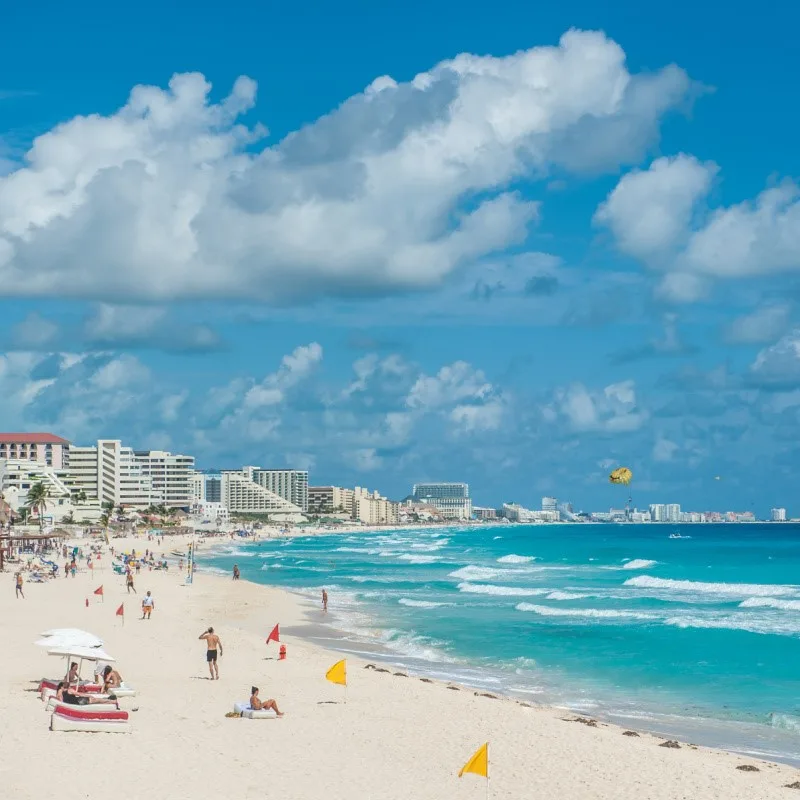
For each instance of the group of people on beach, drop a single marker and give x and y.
(66, 694)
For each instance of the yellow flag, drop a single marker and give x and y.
(338, 673)
(479, 763)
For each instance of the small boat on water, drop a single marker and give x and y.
(676, 535)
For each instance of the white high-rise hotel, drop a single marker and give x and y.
(111, 472)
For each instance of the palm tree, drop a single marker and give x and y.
(38, 495)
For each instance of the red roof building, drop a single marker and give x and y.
(43, 448)
(31, 438)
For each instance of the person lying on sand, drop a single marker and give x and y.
(258, 705)
(64, 695)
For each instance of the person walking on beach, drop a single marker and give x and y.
(324, 600)
(19, 587)
(148, 604)
(129, 583)
(236, 572)
(213, 643)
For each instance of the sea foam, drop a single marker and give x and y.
(515, 559)
(500, 591)
(593, 613)
(731, 589)
(557, 595)
(405, 601)
(771, 602)
(413, 558)
(640, 563)
(474, 573)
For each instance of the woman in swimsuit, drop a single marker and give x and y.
(64, 695)
(257, 705)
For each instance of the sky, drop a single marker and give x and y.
(503, 243)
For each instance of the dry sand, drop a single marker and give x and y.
(396, 738)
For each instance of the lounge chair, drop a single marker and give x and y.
(84, 718)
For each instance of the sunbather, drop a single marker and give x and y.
(111, 679)
(258, 705)
(72, 675)
(66, 695)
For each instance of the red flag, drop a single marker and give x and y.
(121, 610)
(275, 636)
(99, 590)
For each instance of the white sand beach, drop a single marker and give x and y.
(396, 737)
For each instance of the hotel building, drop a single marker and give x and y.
(451, 500)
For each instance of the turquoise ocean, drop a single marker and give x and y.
(696, 636)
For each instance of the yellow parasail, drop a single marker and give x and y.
(621, 475)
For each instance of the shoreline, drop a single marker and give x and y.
(396, 736)
(326, 635)
(708, 730)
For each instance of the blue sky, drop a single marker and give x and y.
(506, 244)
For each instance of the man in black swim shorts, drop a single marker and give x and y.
(213, 643)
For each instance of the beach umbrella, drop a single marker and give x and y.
(69, 637)
(83, 653)
(77, 634)
(71, 652)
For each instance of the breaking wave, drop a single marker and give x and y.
(730, 589)
(500, 591)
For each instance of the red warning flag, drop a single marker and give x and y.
(121, 610)
(275, 636)
(99, 590)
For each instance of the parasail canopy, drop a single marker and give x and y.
(621, 475)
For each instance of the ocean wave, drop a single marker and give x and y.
(731, 589)
(405, 601)
(436, 544)
(592, 613)
(737, 622)
(500, 591)
(771, 602)
(366, 550)
(640, 563)
(515, 559)
(412, 558)
(472, 572)
(265, 567)
(786, 722)
(374, 579)
(558, 595)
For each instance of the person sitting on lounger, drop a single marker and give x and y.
(111, 679)
(72, 675)
(258, 705)
(65, 695)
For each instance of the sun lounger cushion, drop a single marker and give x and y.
(252, 714)
(91, 712)
(61, 722)
(55, 705)
(239, 708)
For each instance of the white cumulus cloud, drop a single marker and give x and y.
(170, 196)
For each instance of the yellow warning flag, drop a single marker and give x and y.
(479, 763)
(338, 673)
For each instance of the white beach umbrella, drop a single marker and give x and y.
(82, 653)
(72, 636)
